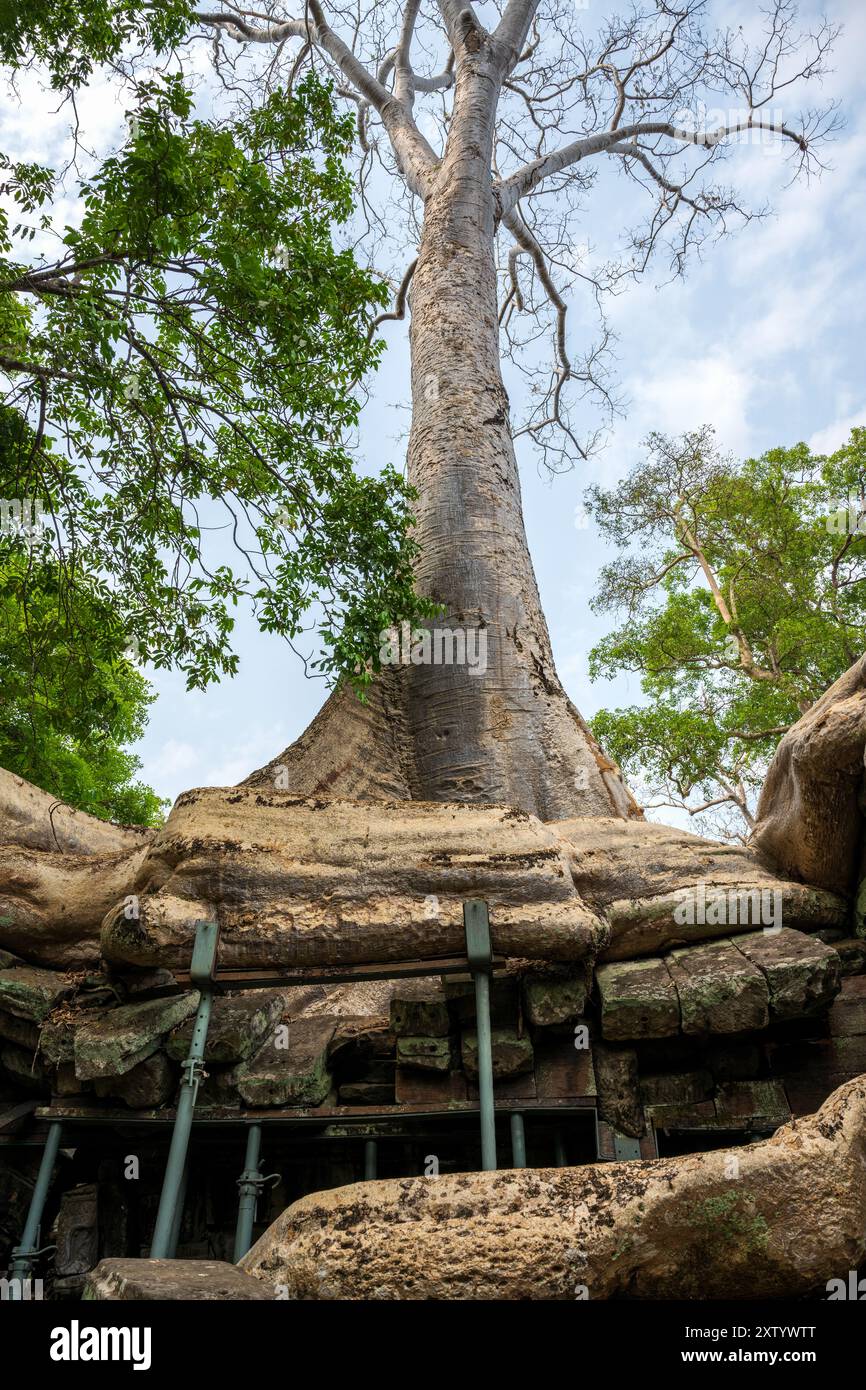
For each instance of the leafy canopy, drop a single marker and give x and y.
(69, 709)
(197, 340)
(743, 593)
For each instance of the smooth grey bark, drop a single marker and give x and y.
(509, 733)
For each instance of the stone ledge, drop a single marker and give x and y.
(172, 1281)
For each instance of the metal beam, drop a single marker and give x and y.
(476, 925)
(279, 977)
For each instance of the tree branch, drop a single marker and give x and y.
(531, 175)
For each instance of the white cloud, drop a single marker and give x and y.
(690, 391)
(832, 437)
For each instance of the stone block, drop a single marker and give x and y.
(425, 1054)
(512, 1055)
(720, 989)
(638, 1000)
(173, 1281)
(802, 973)
(291, 1068)
(120, 1038)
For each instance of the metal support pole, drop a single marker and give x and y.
(370, 1160)
(476, 925)
(201, 974)
(249, 1186)
(178, 1213)
(518, 1141)
(559, 1149)
(24, 1254)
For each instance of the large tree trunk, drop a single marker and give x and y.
(676, 1228)
(439, 732)
(809, 824)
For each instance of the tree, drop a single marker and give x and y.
(196, 338)
(70, 707)
(743, 592)
(477, 117)
(477, 121)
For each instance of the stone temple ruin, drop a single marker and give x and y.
(646, 995)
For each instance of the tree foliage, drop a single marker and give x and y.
(742, 588)
(197, 338)
(69, 708)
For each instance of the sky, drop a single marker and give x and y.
(764, 339)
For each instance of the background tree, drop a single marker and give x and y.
(197, 338)
(496, 123)
(69, 707)
(743, 593)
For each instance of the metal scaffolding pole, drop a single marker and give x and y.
(24, 1254)
(201, 974)
(371, 1160)
(178, 1213)
(518, 1141)
(249, 1186)
(476, 925)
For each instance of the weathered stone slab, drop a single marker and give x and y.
(638, 1000)
(616, 1075)
(239, 1024)
(563, 1071)
(549, 1000)
(432, 1088)
(677, 1088)
(419, 1009)
(57, 1039)
(851, 951)
(173, 1281)
(752, 1105)
(512, 1055)
(121, 1038)
(149, 1084)
(720, 990)
(64, 1082)
(25, 1068)
(366, 1093)
(291, 1068)
(76, 1235)
(802, 974)
(427, 1054)
(847, 1017)
(31, 993)
(19, 1031)
(699, 1115)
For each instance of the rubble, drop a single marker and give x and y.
(118, 1039)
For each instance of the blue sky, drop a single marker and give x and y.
(764, 339)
